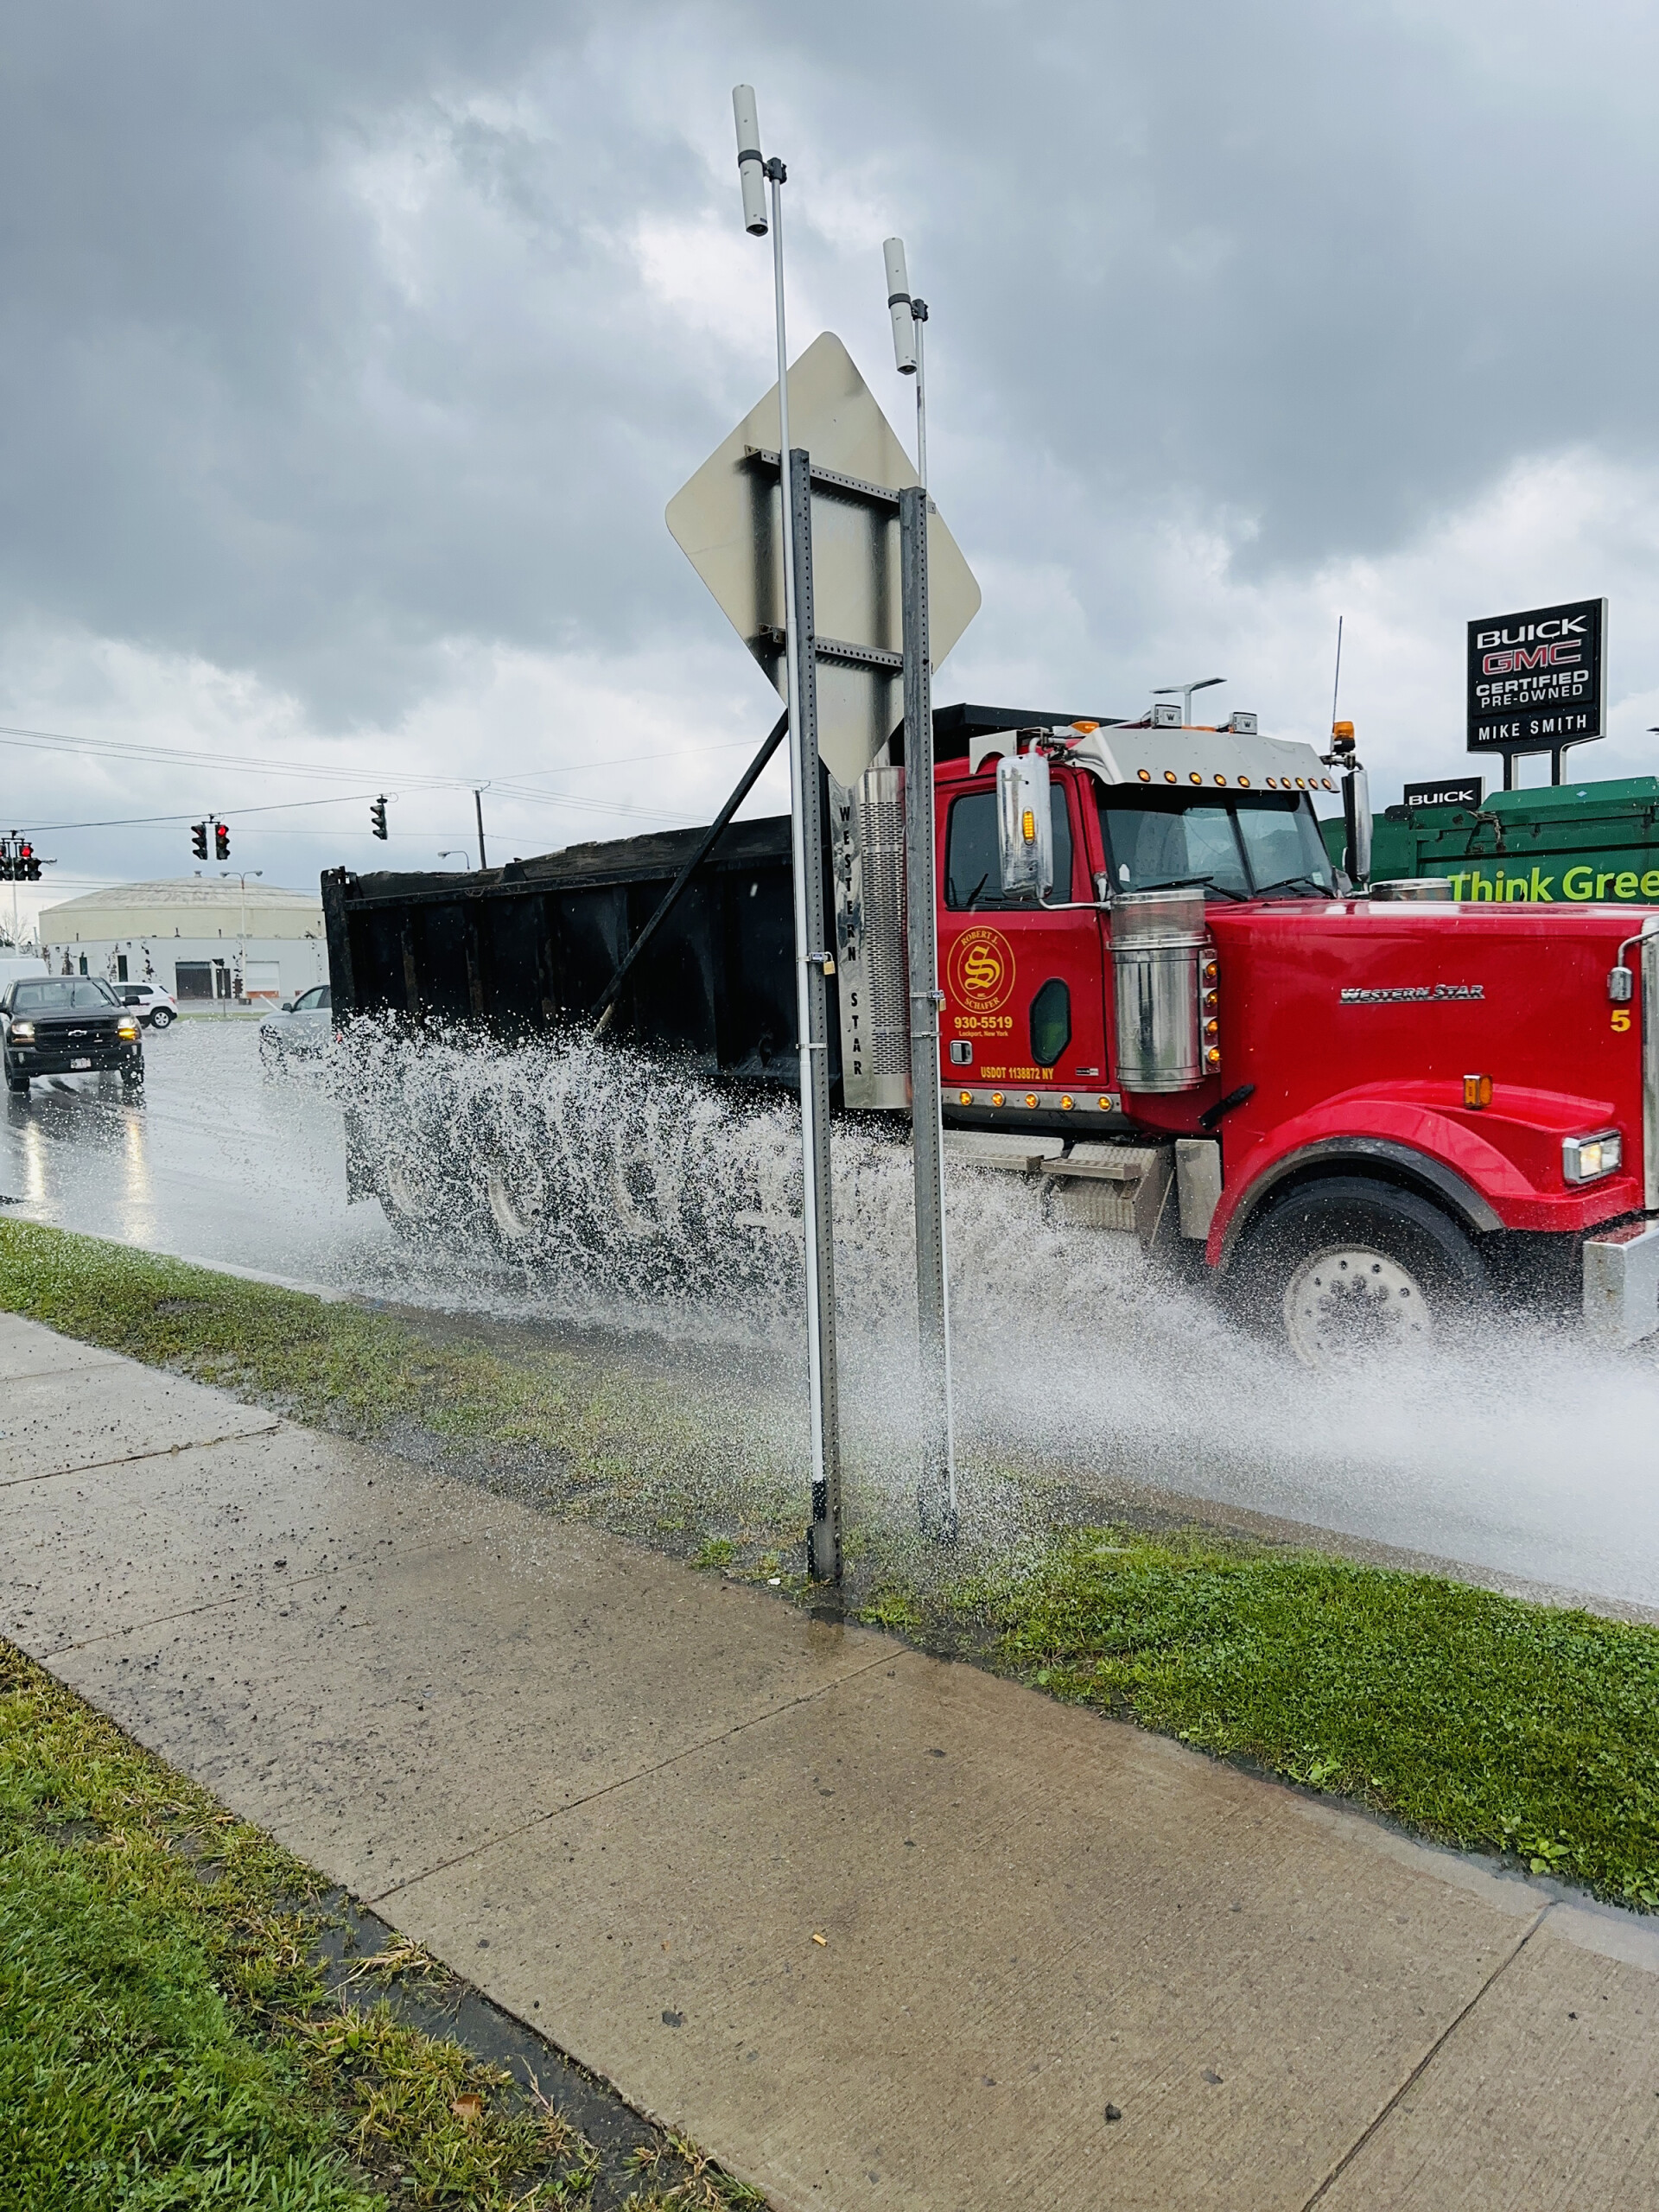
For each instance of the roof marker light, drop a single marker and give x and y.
(1169, 776)
(1145, 774)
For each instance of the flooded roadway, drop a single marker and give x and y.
(1532, 1455)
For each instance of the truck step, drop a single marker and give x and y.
(1095, 1186)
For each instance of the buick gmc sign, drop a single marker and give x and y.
(1537, 681)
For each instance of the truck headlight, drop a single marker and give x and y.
(23, 1032)
(1585, 1158)
(128, 1029)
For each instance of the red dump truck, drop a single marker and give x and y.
(1361, 1110)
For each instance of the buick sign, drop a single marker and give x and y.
(1538, 681)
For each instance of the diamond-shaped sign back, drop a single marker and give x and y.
(728, 521)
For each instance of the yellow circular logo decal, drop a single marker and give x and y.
(981, 970)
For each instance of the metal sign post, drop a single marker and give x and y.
(813, 963)
(823, 1535)
(938, 1493)
(937, 1496)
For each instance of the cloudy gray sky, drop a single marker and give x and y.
(352, 350)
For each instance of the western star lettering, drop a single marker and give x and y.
(1537, 888)
(1411, 994)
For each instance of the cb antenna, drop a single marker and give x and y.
(1335, 681)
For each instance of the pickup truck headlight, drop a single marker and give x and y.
(128, 1029)
(23, 1032)
(1585, 1158)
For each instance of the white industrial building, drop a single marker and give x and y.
(201, 937)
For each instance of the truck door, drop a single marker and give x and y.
(1023, 987)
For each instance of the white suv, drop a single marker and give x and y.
(154, 1006)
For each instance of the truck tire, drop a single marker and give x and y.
(1350, 1269)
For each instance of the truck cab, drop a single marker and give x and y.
(1365, 1111)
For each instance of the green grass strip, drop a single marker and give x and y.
(166, 2043)
(627, 1448)
(1479, 1719)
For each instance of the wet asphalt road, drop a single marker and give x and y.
(1534, 1459)
(216, 1163)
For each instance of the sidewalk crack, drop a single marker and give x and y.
(130, 1459)
(1429, 2056)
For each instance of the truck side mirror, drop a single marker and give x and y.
(1025, 826)
(1356, 827)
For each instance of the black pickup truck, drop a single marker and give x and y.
(68, 1025)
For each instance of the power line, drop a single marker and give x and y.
(159, 755)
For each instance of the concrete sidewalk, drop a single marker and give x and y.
(623, 1799)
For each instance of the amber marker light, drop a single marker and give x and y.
(1067, 1103)
(1104, 1104)
(996, 1098)
(964, 1098)
(1145, 774)
(1477, 1090)
(1221, 779)
(1194, 777)
(1087, 729)
(1030, 1098)
(1169, 776)
(1212, 1057)
(1244, 783)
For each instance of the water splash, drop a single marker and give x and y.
(606, 1186)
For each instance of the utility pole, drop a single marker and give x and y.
(242, 941)
(812, 960)
(478, 803)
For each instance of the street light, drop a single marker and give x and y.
(456, 853)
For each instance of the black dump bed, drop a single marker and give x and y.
(532, 946)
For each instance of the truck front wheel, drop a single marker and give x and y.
(1351, 1269)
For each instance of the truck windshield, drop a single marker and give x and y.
(56, 996)
(1245, 842)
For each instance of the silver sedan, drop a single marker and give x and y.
(301, 1026)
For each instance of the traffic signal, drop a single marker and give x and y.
(8, 866)
(378, 816)
(199, 841)
(29, 868)
(221, 840)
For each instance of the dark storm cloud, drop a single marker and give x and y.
(325, 342)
